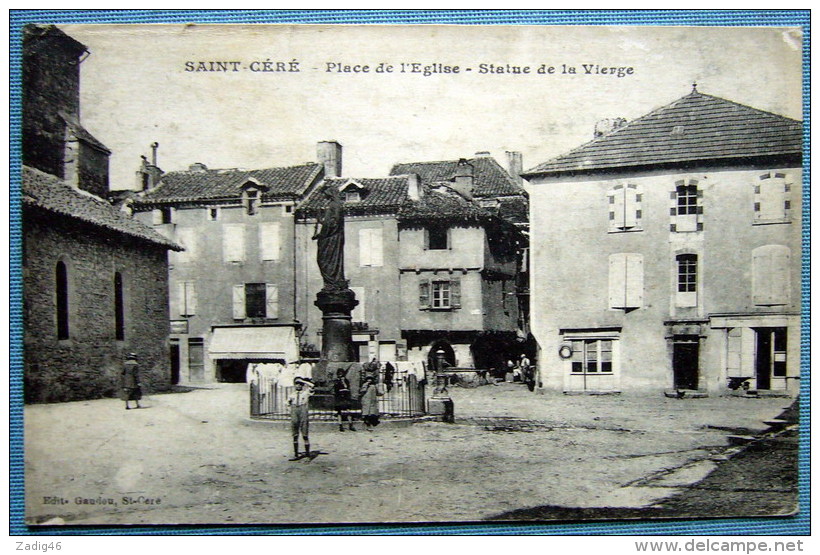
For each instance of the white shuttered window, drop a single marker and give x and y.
(371, 247)
(770, 275)
(625, 280)
(269, 241)
(233, 242)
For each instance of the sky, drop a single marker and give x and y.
(135, 89)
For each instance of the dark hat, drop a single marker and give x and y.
(131, 356)
(303, 381)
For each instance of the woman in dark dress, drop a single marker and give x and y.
(130, 387)
(342, 402)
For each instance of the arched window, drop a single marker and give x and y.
(61, 289)
(119, 308)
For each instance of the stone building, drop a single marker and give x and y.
(232, 291)
(666, 254)
(430, 268)
(94, 279)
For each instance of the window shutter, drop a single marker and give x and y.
(358, 314)
(190, 290)
(772, 193)
(269, 241)
(455, 293)
(617, 280)
(634, 281)
(734, 350)
(770, 275)
(376, 247)
(617, 210)
(271, 301)
(364, 247)
(181, 299)
(426, 238)
(233, 243)
(630, 217)
(424, 293)
(157, 216)
(239, 302)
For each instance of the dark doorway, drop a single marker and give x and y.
(174, 363)
(231, 371)
(685, 361)
(449, 354)
(770, 356)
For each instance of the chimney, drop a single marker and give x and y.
(329, 154)
(149, 174)
(413, 186)
(198, 167)
(463, 179)
(515, 166)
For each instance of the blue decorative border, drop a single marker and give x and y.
(797, 525)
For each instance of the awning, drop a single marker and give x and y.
(259, 342)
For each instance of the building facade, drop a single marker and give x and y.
(666, 254)
(232, 291)
(94, 279)
(430, 267)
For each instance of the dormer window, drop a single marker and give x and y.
(250, 200)
(352, 192)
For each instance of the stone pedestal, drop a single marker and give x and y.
(337, 344)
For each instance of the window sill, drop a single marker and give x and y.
(631, 230)
(771, 222)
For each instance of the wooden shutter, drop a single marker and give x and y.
(424, 294)
(239, 302)
(187, 238)
(271, 301)
(633, 287)
(181, 298)
(156, 216)
(269, 241)
(364, 247)
(376, 247)
(770, 275)
(772, 196)
(617, 280)
(359, 314)
(233, 243)
(455, 293)
(616, 209)
(190, 299)
(630, 214)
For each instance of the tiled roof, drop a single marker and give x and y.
(443, 204)
(82, 133)
(379, 196)
(49, 193)
(697, 127)
(185, 186)
(489, 178)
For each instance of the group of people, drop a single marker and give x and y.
(343, 404)
(522, 371)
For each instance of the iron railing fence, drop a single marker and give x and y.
(403, 396)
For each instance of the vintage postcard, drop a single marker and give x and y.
(306, 274)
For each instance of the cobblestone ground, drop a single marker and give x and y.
(194, 458)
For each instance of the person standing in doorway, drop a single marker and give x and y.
(342, 402)
(130, 386)
(298, 402)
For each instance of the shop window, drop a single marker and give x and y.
(592, 356)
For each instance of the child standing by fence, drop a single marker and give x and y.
(298, 401)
